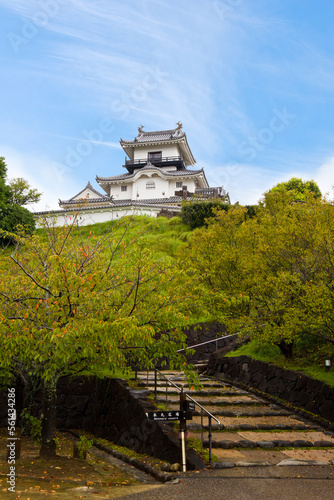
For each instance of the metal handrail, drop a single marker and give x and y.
(152, 159)
(207, 342)
(180, 389)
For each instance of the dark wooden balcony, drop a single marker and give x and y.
(157, 161)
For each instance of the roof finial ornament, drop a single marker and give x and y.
(179, 125)
(141, 129)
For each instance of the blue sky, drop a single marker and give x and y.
(251, 81)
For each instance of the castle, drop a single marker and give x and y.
(157, 179)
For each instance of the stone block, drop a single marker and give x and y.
(300, 443)
(222, 465)
(265, 444)
(324, 444)
(245, 443)
(226, 445)
(282, 443)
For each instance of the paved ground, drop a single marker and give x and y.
(251, 483)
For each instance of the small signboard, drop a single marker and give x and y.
(190, 405)
(168, 415)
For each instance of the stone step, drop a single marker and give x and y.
(239, 427)
(228, 401)
(276, 456)
(239, 411)
(194, 394)
(212, 391)
(250, 439)
(183, 382)
(251, 423)
(253, 431)
(266, 444)
(162, 383)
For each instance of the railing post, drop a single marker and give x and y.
(183, 428)
(155, 383)
(201, 430)
(210, 441)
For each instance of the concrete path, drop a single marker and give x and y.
(255, 483)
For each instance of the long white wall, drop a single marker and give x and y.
(87, 217)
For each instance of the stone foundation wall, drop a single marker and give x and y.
(111, 410)
(296, 388)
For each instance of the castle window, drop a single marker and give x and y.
(150, 185)
(155, 156)
(179, 184)
(124, 188)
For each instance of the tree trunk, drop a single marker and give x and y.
(48, 443)
(286, 349)
(31, 390)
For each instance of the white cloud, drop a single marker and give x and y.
(325, 176)
(245, 183)
(40, 172)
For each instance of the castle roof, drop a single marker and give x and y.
(157, 138)
(150, 167)
(77, 198)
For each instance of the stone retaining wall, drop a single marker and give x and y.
(109, 409)
(296, 388)
(203, 332)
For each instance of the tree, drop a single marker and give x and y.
(13, 217)
(21, 192)
(4, 189)
(72, 303)
(299, 187)
(272, 275)
(12, 214)
(196, 213)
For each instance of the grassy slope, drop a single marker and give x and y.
(163, 236)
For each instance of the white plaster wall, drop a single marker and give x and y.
(161, 188)
(118, 194)
(141, 153)
(93, 217)
(87, 194)
(136, 190)
(190, 183)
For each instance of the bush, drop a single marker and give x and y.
(194, 214)
(251, 211)
(12, 216)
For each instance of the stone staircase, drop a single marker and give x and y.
(252, 430)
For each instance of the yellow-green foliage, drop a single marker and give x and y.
(272, 275)
(92, 300)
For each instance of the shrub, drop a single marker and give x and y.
(12, 216)
(194, 214)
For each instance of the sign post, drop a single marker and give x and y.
(183, 429)
(183, 414)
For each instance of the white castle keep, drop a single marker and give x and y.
(157, 179)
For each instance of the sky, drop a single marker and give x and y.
(252, 82)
